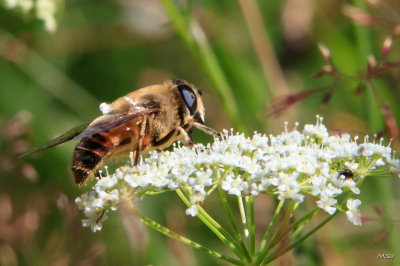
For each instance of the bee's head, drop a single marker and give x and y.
(191, 97)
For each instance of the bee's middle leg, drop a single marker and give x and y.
(139, 145)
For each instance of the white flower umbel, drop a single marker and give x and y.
(289, 166)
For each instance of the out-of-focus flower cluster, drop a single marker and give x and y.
(289, 166)
(44, 10)
(14, 133)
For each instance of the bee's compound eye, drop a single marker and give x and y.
(189, 97)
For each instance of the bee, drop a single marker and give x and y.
(144, 120)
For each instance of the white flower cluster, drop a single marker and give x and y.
(44, 10)
(290, 166)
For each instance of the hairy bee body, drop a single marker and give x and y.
(146, 119)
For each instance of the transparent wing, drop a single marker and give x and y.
(110, 121)
(72, 133)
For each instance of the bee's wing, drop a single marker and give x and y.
(90, 129)
(72, 133)
(113, 120)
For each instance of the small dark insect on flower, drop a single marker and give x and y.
(347, 173)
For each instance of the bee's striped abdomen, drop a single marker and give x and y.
(91, 151)
(88, 153)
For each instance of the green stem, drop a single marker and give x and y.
(281, 232)
(250, 223)
(243, 217)
(211, 190)
(284, 227)
(178, 21)
(260, 253)
(215, 227)
(233, 224)
(305, 217)
(275, 255)
(158, 227)
(303, 223)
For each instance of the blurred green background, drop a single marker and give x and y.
(251, 59)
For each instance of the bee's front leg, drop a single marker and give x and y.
(207, 129)
(186, 136)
